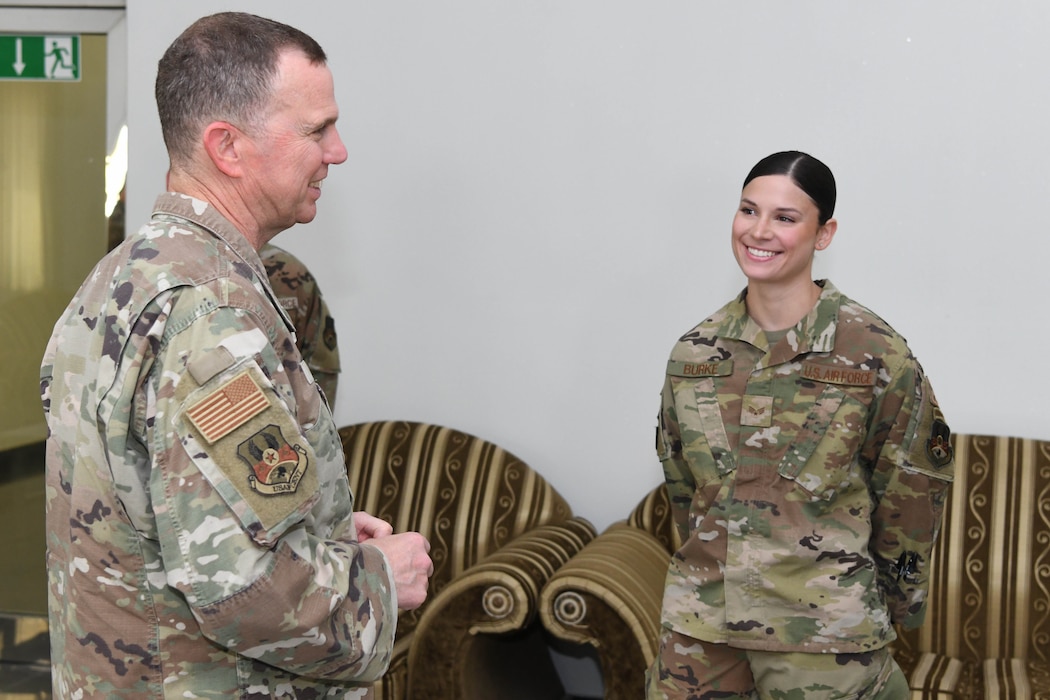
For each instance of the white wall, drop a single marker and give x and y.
(538, 199)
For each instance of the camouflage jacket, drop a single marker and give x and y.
(807, 479)
(200, 534)
(298, 293)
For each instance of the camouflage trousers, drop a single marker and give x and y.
(688, 669)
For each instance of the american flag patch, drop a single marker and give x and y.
(228, 407)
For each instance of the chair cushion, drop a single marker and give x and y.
(935, 676)
(938, 677)
(1016, 678)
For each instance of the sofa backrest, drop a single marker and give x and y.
(466, 495)
(653, 514)
(990, 574)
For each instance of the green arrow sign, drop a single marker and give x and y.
(39, 57)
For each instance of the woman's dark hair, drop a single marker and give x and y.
(812, 177)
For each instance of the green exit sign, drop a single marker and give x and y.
(37, 57)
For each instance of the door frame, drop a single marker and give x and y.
(103, 17)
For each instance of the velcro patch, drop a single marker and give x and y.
(206, 366)
(836, 374)
(939, 445)
(756, 411)
(277, 466)
(720, 368)
(227, 408)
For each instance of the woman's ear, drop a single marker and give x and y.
(826, 233)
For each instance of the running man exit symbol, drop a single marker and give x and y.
(40, 58)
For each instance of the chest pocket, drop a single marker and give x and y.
(705, 443)
(822, 459)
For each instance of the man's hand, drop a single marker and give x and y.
(369, 526)
(409, 558)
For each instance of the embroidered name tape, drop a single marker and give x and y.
(227, 408)
(834, 374)
(722, 368)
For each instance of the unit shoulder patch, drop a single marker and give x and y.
(938, 445)
(276, 465)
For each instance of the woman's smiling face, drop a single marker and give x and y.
(776, 231)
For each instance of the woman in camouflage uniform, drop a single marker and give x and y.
(300, 296)
(807, 463)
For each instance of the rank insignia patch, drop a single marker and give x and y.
(939, 446)
(276, 465)
(757, 411)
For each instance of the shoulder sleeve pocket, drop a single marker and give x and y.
(931, 452)
(243, 439)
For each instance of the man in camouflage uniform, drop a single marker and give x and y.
(201, 534)
(300, 297)
(808, 475)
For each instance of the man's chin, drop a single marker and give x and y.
(307, 215)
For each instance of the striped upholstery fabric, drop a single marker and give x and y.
(653, 514)
(609, 595)
(987, 629)
(497, 530)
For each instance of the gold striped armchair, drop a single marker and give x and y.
(608, 596)
(987, 629)
(497, 531)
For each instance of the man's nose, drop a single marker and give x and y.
(337, 150)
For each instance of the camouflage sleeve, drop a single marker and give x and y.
(913, 470)
(319, 347)
(301, 297)
(253, 510)
(679, 478)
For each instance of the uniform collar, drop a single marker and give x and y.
(814, 333)
(204, 215)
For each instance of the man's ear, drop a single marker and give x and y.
(223, 142)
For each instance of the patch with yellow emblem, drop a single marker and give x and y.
(938, 445)
(276, 465)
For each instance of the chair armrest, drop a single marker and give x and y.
(609, 596)
(498, 595)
